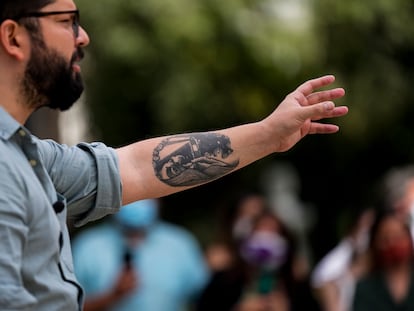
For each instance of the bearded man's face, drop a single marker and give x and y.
(49, 79)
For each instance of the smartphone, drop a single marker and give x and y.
(128, 258)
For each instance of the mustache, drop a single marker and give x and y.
(78, 55)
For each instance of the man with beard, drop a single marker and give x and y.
(43, 183)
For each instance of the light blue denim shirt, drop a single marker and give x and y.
(36, 269)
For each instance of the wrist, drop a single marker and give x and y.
(267, 137)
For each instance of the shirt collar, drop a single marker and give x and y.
(8, 125)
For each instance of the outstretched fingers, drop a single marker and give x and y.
(326, 110)
(323, 111)
(309, 86)
(321, 96)
(321, 128)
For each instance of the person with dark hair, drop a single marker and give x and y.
(334, 277)
(389, 283)
(44, 184)
(228, 269)
(260, 274)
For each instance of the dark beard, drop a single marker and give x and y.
(50, 81)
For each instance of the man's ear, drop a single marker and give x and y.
(13, 39)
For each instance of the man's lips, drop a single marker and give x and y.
(76, 59)
(76, 67)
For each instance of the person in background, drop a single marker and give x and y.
(235, 225)
(334, 276)
(389, 283)
(261, 274)
(138, 262)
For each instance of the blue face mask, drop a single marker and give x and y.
(265, 250)
(138, 215)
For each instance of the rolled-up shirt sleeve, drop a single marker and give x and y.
(87, 175)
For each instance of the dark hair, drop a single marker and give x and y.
(286, 270)
(14, 8)
(382, 216)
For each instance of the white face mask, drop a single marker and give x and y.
(266, 250)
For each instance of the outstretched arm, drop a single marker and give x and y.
(160, 166)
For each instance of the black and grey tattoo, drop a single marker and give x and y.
(192, 159)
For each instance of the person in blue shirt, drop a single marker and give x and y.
(136, 261)
(44, 184)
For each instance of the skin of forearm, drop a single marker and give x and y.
(165, 165)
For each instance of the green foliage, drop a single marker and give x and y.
(159, 66)
(371, 46)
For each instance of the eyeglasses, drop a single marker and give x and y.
(75, 18)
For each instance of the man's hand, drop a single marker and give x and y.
(126, 283)
(298, 114)
(179, 161)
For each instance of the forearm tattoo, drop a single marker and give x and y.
(192, 159)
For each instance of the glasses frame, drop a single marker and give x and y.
(75, 23)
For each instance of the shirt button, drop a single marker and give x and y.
(33, 162)
(22, 133)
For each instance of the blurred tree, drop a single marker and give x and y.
(156, 67)
(369, 45)
(170, 66)
(163, 66)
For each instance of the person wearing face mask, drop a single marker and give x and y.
(335, 275)
(271, 253)
(261, 276)
(266, 251)
(389, 283)
(139, 262)
(222, 254)
(235, 225)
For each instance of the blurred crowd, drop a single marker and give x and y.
(255, 260)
